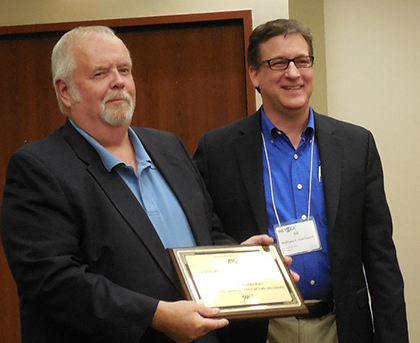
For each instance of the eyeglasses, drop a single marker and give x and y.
(282, 63)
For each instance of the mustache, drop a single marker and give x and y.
(119, 94)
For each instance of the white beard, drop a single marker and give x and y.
(121, 114)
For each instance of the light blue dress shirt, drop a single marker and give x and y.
(151, 190)
(290, 169)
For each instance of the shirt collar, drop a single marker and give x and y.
(108, 159)
(269, 129)
(143, 159)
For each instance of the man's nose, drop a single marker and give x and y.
(117, 80)
(292, 70)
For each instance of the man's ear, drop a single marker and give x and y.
(64, 92)
(253, 75)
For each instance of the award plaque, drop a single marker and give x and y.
(244, 282)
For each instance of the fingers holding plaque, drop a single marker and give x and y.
(243, 281)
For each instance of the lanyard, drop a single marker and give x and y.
(271, 179)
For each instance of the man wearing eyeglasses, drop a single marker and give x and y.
(315, 184)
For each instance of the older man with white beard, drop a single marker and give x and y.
(89, 211)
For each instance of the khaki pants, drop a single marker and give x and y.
(292, 330)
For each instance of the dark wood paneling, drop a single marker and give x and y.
(189, 78)
(190, 73)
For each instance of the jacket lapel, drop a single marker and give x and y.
(330, 150)
(173, 169)
(122, 198)
(248, 148)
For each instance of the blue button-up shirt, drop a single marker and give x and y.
(290, 170)
(151, 190)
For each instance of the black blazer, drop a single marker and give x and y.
(359, 221)
(88, 263)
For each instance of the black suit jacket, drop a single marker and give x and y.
(359, 221)
(88, 263)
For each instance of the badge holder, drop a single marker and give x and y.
(300, 237)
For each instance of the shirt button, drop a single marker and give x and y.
(295, 156)
(312, 282)
(303, 217)
(299, 186)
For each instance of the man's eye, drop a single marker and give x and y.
(302, 61)
(278, 63)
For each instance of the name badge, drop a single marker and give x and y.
(298, 238)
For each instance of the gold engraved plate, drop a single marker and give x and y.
(225, 279)
(243, 281)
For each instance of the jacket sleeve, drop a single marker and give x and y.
(386, 286)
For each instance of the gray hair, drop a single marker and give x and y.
(63, 63)
(264, 32)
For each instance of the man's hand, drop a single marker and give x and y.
(295, 276)
(267, 240)
(259, 240)
(185, 321)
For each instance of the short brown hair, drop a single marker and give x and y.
(264, 32)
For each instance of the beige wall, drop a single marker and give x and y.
(373, 73)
